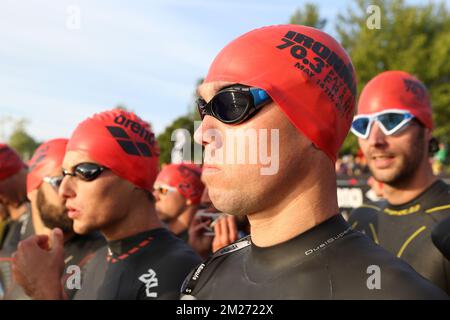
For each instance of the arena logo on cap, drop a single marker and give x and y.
(128, 145)
(186, 172)
(339, 82)
(40, 156)
(416, 88)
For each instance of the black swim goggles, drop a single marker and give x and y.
(234, 104)
(85, 171)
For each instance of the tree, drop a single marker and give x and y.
(184, 122)
(21, 141)
(165, 139)
(308, 17)
(413, 38)
(123, 107)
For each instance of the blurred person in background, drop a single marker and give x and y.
(375, 193)
(212, 230)
(394, 129)
(177, 190)
(13, 196)
(4, 216)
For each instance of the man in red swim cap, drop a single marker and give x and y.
(300, 81)
(178, 190)
(13, 195)
(394, 129)
(49, 211)
(109, 169)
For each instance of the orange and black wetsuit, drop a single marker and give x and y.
(149, 265)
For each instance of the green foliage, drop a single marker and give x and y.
(309, 16)
(413, 38)
(22, 142)
(165, 139)
(184, 122)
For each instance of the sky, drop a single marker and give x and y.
(61, 61)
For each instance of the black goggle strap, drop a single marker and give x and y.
(202, 108)
(192, 281)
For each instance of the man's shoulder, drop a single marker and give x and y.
(199, 276)
(374, 273)
(365, 214)
(179, 258)
(83, 245)
(438, 202)
(168, 258)
(169, 248)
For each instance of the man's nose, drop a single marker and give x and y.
(66, 190)
(376, 136)
(208, 132)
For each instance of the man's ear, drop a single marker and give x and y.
(32, 196)
(428, 134)
(433, 146)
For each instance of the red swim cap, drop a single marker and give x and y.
(10, 162)
(48, 157)
(304, 70)
(186, 178)
(122, 142)
(396, 90)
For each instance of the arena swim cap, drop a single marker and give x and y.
(122, 142)
(46, 159)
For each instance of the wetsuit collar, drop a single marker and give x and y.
(118, 248)
(423, 201)
(293, 251)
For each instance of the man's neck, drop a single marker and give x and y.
(142, 217)
(407, 190)
(182, 222)
(314, 202)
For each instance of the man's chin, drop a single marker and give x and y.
(385, 176)
(80, 228)
(163, 218)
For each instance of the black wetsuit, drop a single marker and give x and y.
(405, 230)
(330, 261)
(441, 237)
(77, 251)
(15, 232)
(184, 235)
(149, 265)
